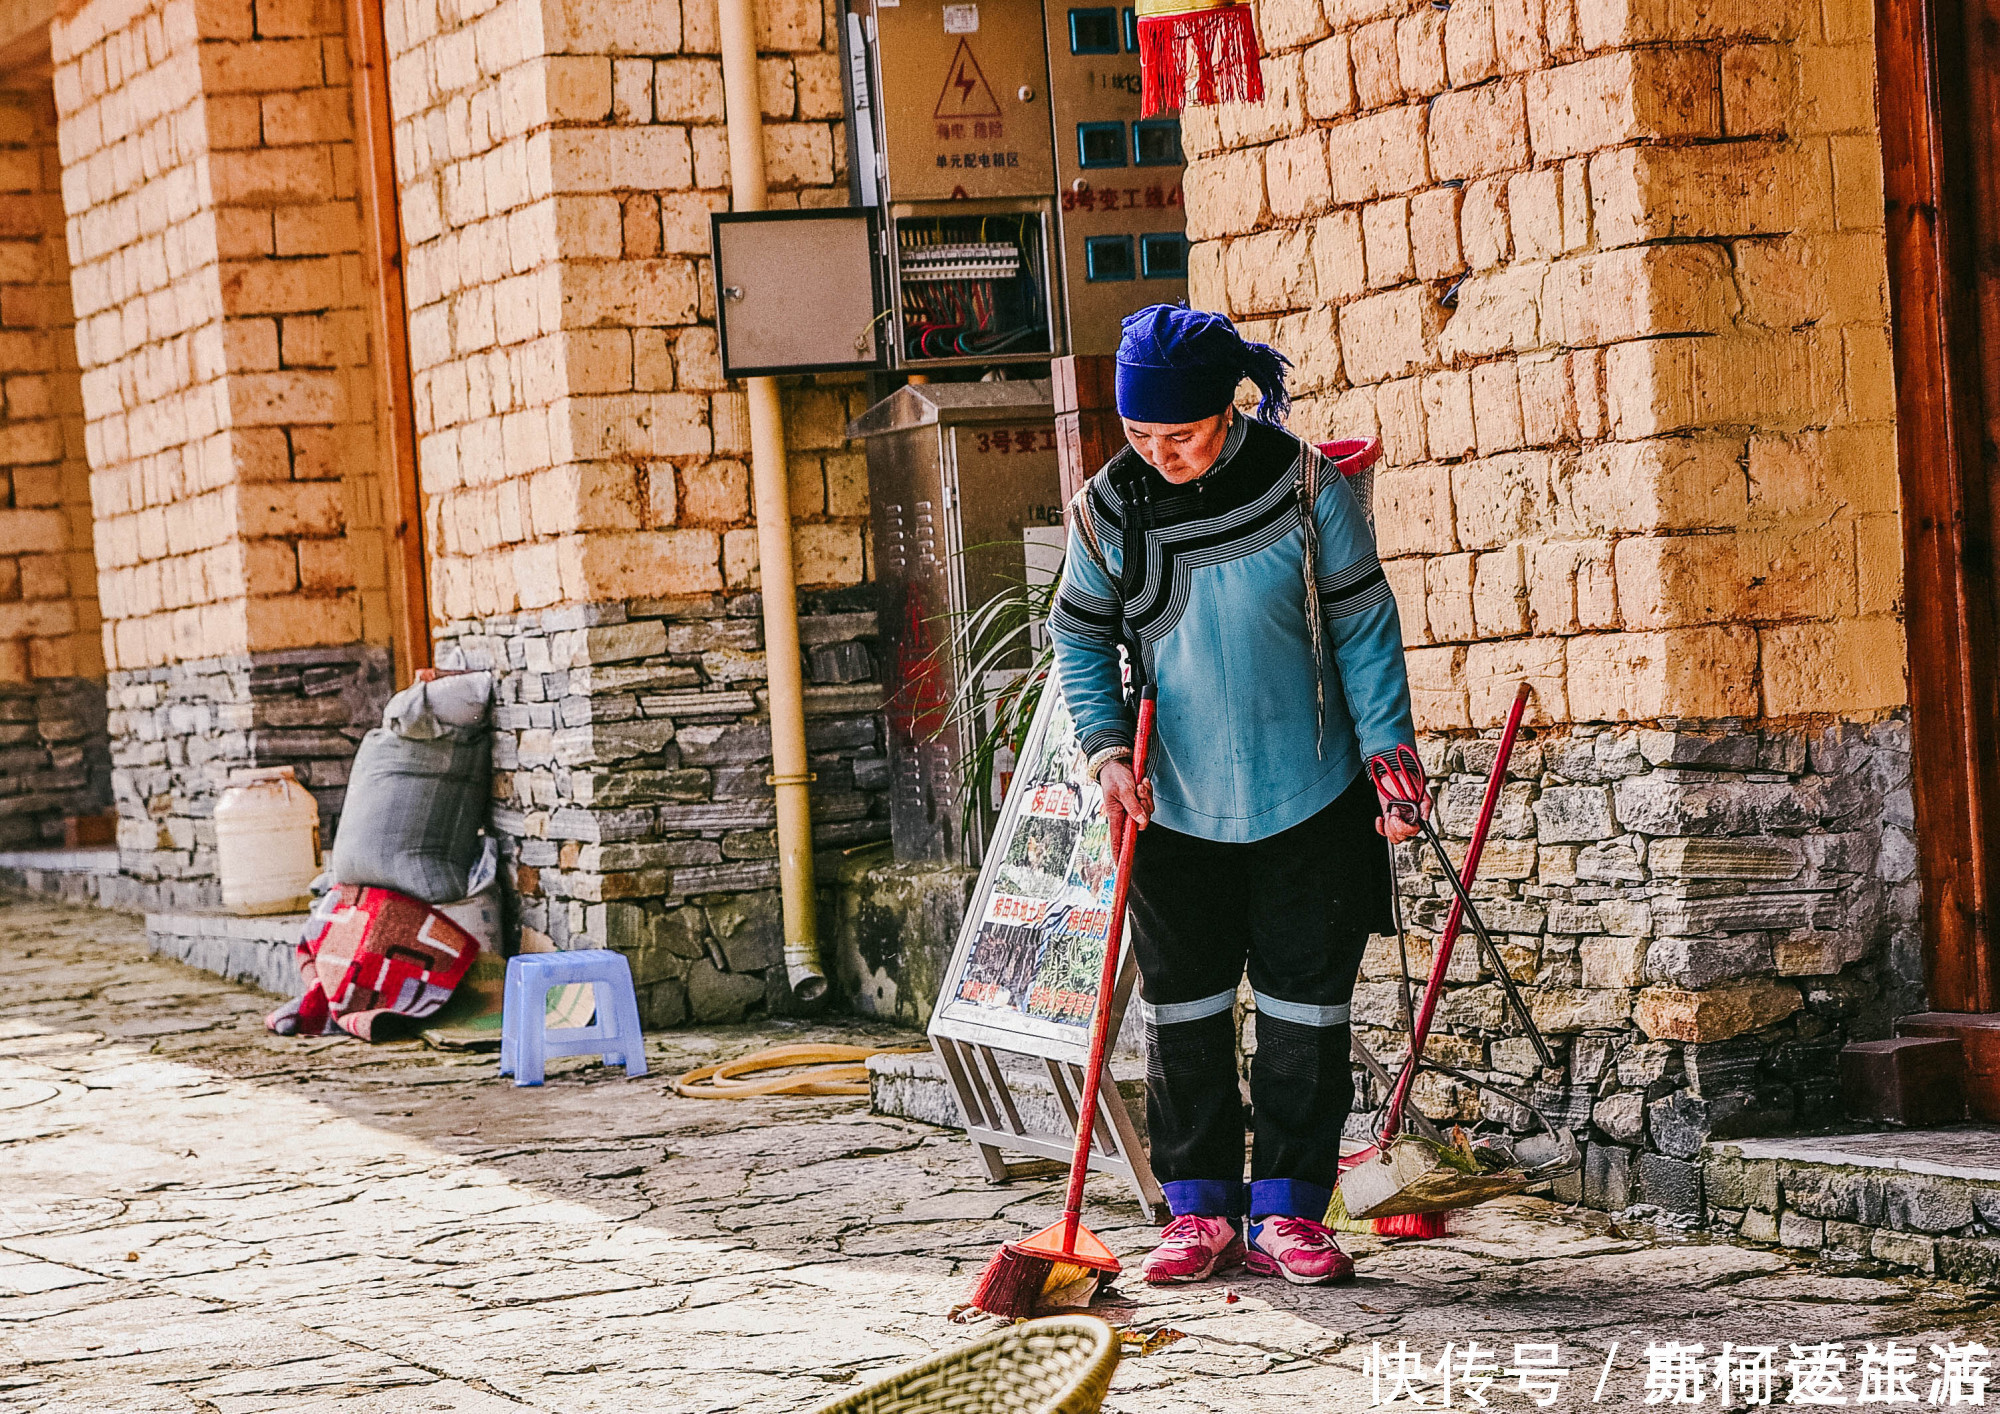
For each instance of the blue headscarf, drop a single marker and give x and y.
(1182, 365)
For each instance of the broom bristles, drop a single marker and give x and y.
(1420, 1225)
(1411, 1225)
(1011, 1284)
(1064, 1273)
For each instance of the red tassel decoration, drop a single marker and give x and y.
(1216, 48)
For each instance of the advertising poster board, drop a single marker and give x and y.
(1023, 977)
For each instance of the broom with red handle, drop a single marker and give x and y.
(1066, 1252)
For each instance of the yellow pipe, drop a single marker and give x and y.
(789, 775)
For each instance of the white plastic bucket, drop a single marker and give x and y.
(267, 842)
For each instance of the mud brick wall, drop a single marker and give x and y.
(208, 176)
(558, 164)
(630, 752)
(1608, 282)
(48, 576)
(177, 732)
(53, 757)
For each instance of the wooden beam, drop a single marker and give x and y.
(24, 42)
(1938, 173)
(374, 136)
(1088, 432)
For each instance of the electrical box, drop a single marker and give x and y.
(1026, 208)
(1121, 219)
(964, 110)
(957, 472)
(768, 320)
(954, 95)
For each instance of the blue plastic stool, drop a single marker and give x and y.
(526, 1042)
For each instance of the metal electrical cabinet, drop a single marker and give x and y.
(1122, 223)
(1025, 207)
(954, 98)
(767, 319)
(956, 473)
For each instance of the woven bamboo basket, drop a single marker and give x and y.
(1060, 1365)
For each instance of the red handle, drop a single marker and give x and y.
(1420, 1029)
(1107, 980)
(1398, 778)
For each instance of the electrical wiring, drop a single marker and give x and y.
(970, 287)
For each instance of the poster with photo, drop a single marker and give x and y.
(1024, 973)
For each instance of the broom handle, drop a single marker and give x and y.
(1107, 982)
(1434, 987)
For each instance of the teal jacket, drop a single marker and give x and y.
(1214, 601)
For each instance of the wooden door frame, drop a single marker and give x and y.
(382, 208)
(1938, 107)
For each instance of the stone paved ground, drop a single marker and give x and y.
(196, 1216)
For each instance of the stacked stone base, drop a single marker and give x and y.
(894, 934)
(631, 754)
(261, 951)
(179, 731)
(1863, 1197)
(55, 759)
(1700, 914)
(86, 876)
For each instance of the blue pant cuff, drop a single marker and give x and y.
(1288, 1198)
(1205, 1198)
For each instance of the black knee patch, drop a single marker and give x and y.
(1191, 1048)
(1290, 1051)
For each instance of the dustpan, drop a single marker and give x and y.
(1411, 1173)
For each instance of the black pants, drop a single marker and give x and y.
(1297, 908)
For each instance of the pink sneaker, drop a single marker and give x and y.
(1299, 1250)
(1191, 1249)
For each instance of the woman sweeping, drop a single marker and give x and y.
(1231, 564)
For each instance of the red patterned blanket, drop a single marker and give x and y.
(374, 963)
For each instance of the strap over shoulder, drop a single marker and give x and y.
(1311, 464)
(1078, 513)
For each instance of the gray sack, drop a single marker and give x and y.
(420, 792)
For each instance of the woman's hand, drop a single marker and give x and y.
(1124, 795)
(1396, 824)
(1403, 790)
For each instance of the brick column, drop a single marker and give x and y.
(213, 234)
(53, 756)
(1608, 281)
(585, 479)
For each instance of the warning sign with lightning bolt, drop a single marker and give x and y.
(966, 93)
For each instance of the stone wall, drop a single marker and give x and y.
(1699, 918)
(54, 762)
(1887, 1198)
(631, 750)
(1608, 281)
(177, 731)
